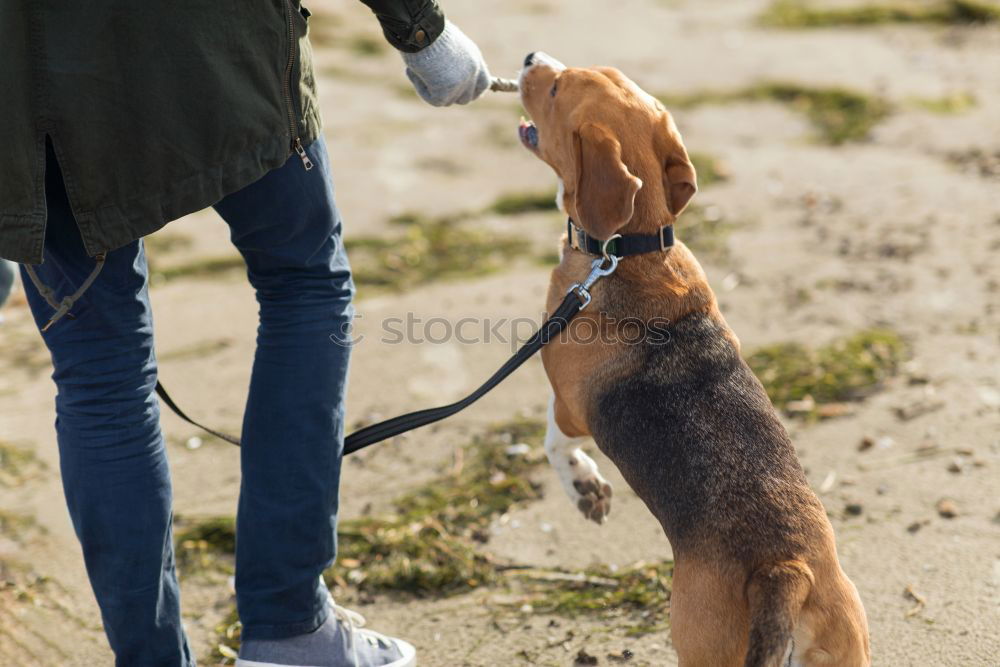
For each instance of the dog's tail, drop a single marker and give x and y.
(776, 593)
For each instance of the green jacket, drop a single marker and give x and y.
(156, 109)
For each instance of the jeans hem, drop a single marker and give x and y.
(286, 631)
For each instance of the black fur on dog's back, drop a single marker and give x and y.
(696, 437)
(694, 434)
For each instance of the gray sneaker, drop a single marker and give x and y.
(339, 642)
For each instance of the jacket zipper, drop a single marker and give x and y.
(286, 84)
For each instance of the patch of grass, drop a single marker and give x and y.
(848, 369)
(430, 249)
(200, 268)
(228, 634)
(17, 464)
(18, 583)
(516, 203)
(642, 588)
(15, 526)
(203, 543)
(549, 258)
(490, 481)
(366, 46)
(700, 98)
(798, 14)
(711, 170)
(421, 557)
(946, 105)
(427, 547)
(838, 115)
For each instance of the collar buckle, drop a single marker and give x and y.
(576, 236)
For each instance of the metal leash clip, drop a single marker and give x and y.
(597, 271)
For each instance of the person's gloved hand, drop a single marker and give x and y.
(449, 71)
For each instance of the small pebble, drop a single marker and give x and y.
(853, 509)
(624, 656)
(884, 442)
(990, 397)
(193, 443)
(828, 481)
(830, 410)
(519, 449)
(917, 409)
(802, 406)
(947, 508)
(584, 658)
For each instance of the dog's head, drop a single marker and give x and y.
(606, 139)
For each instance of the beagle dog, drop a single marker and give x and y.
(756, 580)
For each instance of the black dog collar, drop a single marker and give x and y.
(618, 245)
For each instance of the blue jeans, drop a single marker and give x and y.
(112, 456)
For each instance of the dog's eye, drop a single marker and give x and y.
(552, 93)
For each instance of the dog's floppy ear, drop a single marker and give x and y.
(605, 189)
(680, 181)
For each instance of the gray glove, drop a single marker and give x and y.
(449, 71)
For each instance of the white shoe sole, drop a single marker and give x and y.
(409, 659)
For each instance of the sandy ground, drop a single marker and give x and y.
(827, 241)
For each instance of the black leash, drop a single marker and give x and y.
(165, 397)
(577, 298)
(369, 435)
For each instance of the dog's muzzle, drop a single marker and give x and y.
(542, 58)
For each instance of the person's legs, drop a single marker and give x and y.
(111, 452)
(287, 227)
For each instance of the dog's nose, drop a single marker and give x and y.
(529, 59)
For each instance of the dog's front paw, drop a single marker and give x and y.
(590, 491)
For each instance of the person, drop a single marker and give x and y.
(118, 118)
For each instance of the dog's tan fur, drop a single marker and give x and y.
(625, 170)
